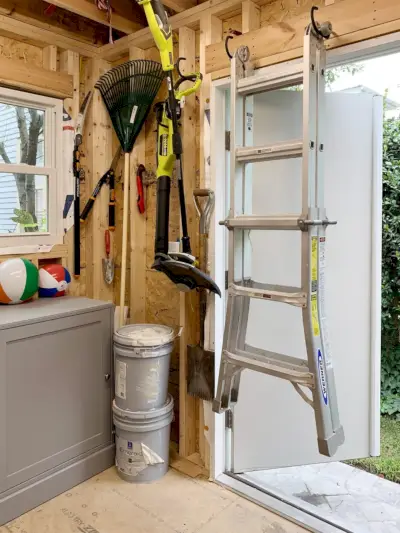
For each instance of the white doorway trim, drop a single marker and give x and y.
(364, 50)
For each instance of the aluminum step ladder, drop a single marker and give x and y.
(316, 373)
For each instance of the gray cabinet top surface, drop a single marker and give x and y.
(47, 309)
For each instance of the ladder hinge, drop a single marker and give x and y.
(227, 141)
(228, 419)
(226, 280)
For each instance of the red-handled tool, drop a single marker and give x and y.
(139, 184)
(108, 264)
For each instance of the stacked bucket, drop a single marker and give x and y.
(142, 409)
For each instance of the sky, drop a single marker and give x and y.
(379, 74)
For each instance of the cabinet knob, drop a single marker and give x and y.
(107, 377)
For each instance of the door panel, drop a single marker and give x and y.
(55, 399)
(273, 426)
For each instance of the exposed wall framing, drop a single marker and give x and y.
(55, 61)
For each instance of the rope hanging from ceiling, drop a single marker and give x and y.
(105, 5)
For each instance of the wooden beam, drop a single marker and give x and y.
(61, 21)
(353, 21)
(250, 16)
(19, 75)
(210, 32)
(179, 5)
(88, 9)
(28, 32)
(137, 300)
(189, 303)
(98, 148)
(69, 63)
(189, 18)
(50, 57)
(7, 7)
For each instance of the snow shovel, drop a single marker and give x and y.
(108, 264)
(201, 361)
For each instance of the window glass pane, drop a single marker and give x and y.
(23, 203)
(21, 135)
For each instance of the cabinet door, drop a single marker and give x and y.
(55, 402)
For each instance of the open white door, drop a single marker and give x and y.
(272, 426)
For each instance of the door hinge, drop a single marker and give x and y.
(227, 141)
(228, 419)
(226, 280)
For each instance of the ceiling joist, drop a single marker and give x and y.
(179, 5)
(190, 18)
(125, 17)
(40, 36)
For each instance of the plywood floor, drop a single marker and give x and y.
(175, 504)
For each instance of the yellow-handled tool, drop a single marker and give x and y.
(179, 267)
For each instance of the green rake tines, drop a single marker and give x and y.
(128, 91)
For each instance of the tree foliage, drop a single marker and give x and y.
(390, 377)
(333, 74)
(30, 127)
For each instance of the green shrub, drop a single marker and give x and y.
(390, 377)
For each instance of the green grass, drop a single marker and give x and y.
(388, 464)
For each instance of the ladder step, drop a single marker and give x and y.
(278, 222)
(284, 360)
(269, 152)
(269, 363)
(264, 291)
(286, 77)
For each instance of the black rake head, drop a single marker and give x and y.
(128, 91)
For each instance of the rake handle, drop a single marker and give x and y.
(124, 241)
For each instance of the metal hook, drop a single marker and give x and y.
(177, 66)
(323, 30)
(228, 38)
(313, 23)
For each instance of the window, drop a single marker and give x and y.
(30, 169)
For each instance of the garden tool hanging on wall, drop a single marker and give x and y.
(201, 361)
(78, 175)
(128, 91)
(139, 185)
(108, 263)
(179, 267)
(109, 179)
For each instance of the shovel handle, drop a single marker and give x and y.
(107, 240)
(204, 209)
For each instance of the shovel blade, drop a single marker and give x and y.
(200, 372)
(108, 271)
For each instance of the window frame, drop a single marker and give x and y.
(53, 167)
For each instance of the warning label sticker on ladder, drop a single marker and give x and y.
(314, 286)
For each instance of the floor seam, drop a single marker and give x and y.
(197, 530)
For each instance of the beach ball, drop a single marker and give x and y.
(18, 280)
(53, 281)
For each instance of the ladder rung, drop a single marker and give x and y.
(271, 366)
(264, 291)
(286, 77)
(278, 222)
(269, 152)
(286, 360)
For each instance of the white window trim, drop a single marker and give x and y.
(53, 158)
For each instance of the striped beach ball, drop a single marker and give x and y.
(53, 281)
(18, 281)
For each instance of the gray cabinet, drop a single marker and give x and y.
(55, 398)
